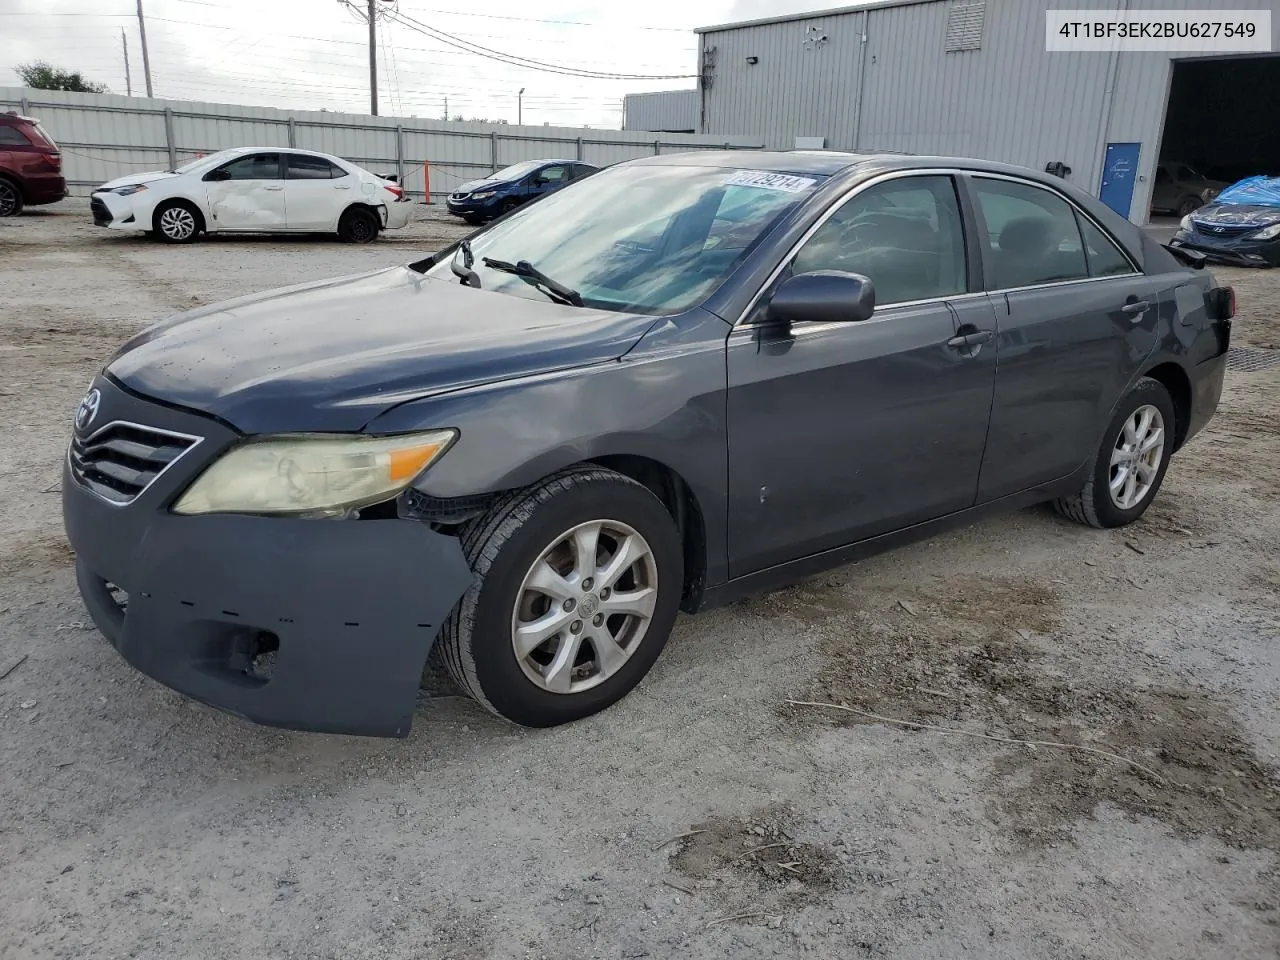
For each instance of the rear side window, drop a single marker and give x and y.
(1032, 237)
(256, 166)
(1104, 257)
(301, 167)
(905, 235)
(13, 137)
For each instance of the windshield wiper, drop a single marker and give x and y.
(531, 275)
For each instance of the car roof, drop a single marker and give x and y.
(12, 116)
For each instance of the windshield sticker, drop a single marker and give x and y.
(763, 180)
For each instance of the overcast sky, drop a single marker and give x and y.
(309, 54)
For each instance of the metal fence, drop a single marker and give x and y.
(103, 136)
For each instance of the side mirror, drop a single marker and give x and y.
(823, 296)
(217, 175)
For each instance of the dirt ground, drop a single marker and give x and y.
(825, 771)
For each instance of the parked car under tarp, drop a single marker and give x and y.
(1241, 226)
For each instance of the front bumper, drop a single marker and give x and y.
(473, 208)
(1232, 252)
(112, 210)
(351, 608)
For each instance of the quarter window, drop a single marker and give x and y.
(1032, 237)
(1104, 257)
(12, 136)
(299, 166)
(256, 166)
(905, 235)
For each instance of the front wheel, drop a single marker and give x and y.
(1129, 467)
(358, 225)
(177, 222)
(577, 584)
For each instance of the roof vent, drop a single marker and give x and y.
(964, 26)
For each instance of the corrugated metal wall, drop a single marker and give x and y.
(880, 79)
(107, 136)
(666, 110)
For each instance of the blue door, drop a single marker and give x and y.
(1118, 175)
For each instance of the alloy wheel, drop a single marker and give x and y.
(1136, 456)
(177, 223)
(584, 606)
(8, 199)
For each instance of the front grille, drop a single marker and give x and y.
(121, 460)
(99, 209)
(1225, 231)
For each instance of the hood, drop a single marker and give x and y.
(1236, 215)
(473, 185)
(133, 178)
(332, 355)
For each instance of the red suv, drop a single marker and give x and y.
(30, 165)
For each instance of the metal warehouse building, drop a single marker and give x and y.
(973, 78)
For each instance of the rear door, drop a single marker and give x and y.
(315, 191)
(247, 193)
(1076, 321)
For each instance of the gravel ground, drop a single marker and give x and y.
(703, 816)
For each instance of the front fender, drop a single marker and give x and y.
(665, 401)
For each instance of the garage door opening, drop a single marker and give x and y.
(1220, 126)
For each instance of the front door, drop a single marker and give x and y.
(1076, 320)
(247, 193)
(842, 431)
(315, 191)
(1119, 170)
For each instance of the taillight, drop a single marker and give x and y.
(55, 161)
(394, 189)
(1221, 302)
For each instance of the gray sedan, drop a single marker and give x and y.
(678, 381)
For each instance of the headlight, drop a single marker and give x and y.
(483, 196)
(1185, 223)
(1267, 233)
(316, 475)
(130, 190)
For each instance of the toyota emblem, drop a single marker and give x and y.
(88, 409)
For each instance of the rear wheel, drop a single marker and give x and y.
(577, 584)
(358, 225)
(177, 222)
(1129, 467)
(10, 198)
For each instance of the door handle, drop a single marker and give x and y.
(974, 338)
(272, 186)
(342, 186)
(1136, 309)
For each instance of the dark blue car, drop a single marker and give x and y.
(480, 200)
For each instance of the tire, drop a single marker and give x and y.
(177, 221)
(531, 530)
(1096, 505)
(10, 198)
(1188, 206)
(473, 219)
(507, 206)
(358, 225)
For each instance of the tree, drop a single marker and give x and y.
(45, 76)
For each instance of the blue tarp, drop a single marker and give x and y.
(1263, 191)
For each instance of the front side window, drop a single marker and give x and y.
(906, 235)
(552, 175)
(299, 166)
(646, 239)
(256, 166)
(1032, 237)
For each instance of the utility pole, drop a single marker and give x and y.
(371, 11)
(128, 77)
(520, 108)
(146, 59)
(446, 109)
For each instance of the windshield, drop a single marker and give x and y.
(211, 160)
(642, 239)
(516, 170)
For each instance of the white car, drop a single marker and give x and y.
(251, 190)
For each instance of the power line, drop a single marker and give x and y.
(517, 61)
